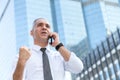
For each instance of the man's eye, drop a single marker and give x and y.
(47, 26)
(40, 24)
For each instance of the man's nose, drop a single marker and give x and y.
(44, 26)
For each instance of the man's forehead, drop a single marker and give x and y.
(42, 21)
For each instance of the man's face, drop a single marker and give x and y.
(41, 30)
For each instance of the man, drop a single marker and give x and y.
(30, 63)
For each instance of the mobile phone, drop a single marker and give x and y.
(50, 40)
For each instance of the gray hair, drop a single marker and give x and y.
(34, 22)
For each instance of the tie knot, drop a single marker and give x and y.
(43, 49)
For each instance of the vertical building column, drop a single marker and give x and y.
(57, 19)
(21, 23)
(92, 23)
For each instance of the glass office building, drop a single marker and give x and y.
(101, 17)
(24, 16)
(103, 63)
(93, 17)
(73, 30)
(81, 24)
(63, 19)
(74, 20)
(76, 32)
(70, 27)
(92, 11)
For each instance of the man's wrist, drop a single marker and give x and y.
(58, 46)
(22, 62)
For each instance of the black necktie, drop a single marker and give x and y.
(46, 66)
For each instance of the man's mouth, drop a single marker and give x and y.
(44, 33)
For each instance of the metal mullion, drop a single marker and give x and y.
(96, 64)
(106, 61)
(116, 52)
(111, 56)
(91, 64)
(87, 67)
(101, 63)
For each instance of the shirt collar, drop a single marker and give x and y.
(37, 48)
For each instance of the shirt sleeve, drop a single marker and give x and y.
(74, 64)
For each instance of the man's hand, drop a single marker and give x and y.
(24, 54)
(56, 39)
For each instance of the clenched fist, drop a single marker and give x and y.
(24, 54)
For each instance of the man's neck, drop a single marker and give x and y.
(42, 44)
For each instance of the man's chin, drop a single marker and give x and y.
(44, 38)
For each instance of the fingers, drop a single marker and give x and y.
(25, 49)
(55, 37)
(24, 54)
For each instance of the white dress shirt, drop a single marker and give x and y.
(34, 66)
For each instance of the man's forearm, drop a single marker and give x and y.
(65, 53)
(18, 74)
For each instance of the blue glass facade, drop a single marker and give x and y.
(101, 17)
(21, 23)
(57, 18)
(94, 22)
(24, 16)
(63, 19)
(73, 22)
(81, 24)
(38, 9)
(71, 28)
(110, 10)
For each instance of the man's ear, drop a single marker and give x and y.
(31, 32)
